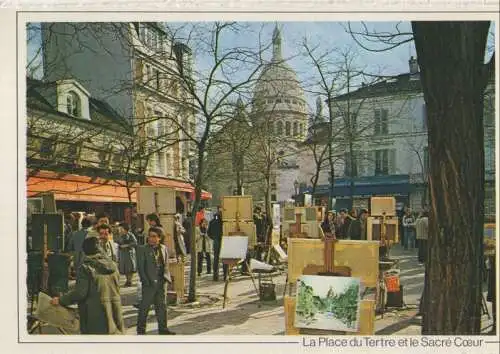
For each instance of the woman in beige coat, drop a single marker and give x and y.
(203, 246)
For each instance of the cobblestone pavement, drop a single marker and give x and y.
(244, 315)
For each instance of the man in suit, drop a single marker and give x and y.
(152, 266)
(106, 244)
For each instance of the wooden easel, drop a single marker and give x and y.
(231, 263)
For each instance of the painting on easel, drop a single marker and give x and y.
(234, 247)
(328, 303)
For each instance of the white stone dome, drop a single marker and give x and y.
(278, 87)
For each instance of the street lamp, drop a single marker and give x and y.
(296, 187)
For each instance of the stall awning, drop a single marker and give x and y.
(95, 189)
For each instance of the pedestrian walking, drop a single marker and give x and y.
(97, 293)
(204, 246)
(409, 229)
(422, 231)
(127, 243)
(152, 266)
(75, 244)
(215, 233)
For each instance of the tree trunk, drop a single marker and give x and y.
(351, 172)
(451, 58)
(197, 202)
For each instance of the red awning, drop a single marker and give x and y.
(83, 188)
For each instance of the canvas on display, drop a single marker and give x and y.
(237, 208)
(234, 247)
(328, 303)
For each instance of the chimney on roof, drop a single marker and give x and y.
(413, 66)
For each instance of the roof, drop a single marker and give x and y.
(41, 94)
(401, 84)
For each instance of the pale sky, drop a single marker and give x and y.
(327, 35)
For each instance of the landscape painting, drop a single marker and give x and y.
(329, 303)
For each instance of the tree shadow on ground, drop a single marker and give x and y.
(405, 322)
(209, 321)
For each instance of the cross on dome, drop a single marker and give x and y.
(277, 55)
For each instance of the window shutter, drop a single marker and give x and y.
(376, 127)
(373, 164)
(361, 160)
(392, 161)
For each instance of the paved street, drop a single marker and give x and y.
(243, 316)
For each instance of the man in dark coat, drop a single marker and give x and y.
(97, 293)
(215, 233)
(357, 229)
(127, 244)
(152, 266)
(186, 223)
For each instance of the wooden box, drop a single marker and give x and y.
(381, 205)
(240, 205)
(360, 256)
(155, 200)
(178, 276)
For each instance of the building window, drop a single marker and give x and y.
(47, 148)
(381, 162)
(278, 100)
(157, 79)
(288, 128)
(161, 124)
(103, 159)
(295, 129)
(424, 117)
(381, 120)
(160, 163)
(351, 171)
(301, 128)
(273, 197)
(118, 159)
(353, 121)
(73, 104)
(280, 128)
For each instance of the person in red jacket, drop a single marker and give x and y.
(199, 216)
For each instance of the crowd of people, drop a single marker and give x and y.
(101, 251)
(352, 225)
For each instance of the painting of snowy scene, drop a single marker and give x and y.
(329, 303)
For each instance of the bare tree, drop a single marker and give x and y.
(229, 72)
(453, 85)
